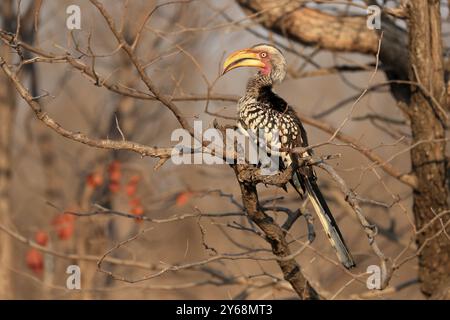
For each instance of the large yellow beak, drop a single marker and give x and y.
(242, 58)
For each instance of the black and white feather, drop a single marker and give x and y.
(261, 110)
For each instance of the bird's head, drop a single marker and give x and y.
(266, 57)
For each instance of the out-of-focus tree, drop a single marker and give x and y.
(7, 108)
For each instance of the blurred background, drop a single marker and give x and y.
(182, 46)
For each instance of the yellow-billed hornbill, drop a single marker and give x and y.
(262, 109)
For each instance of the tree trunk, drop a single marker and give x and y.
(7, 105)
(7, 110)
(428, 158)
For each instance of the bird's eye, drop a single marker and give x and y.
(263, 55)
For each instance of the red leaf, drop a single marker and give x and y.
(114, 166)
(114, 171)
(94, 180)
(65, 225)
(138, 211)
(183, 198)
(41, 238)
(66, 232)
(134, 202)
(134, 179)
(131, 189)
(35, 260)
(114, 187)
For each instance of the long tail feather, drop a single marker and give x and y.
(329, 224)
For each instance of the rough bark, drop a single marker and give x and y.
(428, 159)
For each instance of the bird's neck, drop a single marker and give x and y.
(259, 89)
(258, 83)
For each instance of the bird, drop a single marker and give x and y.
(260, 109)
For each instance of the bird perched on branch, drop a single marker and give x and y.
(262, 110)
